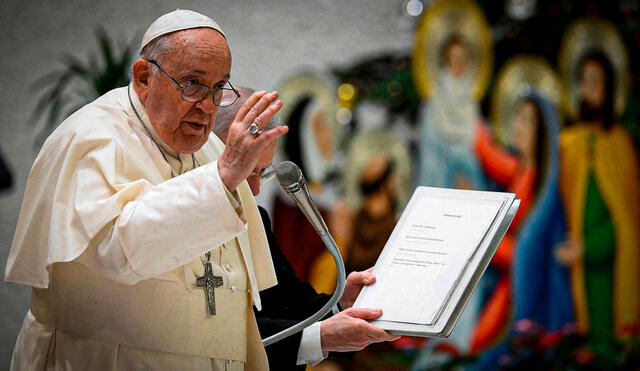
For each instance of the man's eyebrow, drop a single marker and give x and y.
(200, 72)
(225, 77)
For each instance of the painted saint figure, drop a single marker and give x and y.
(599, 176)
(452, 63)
(525, 118)
(449, 125)
(599, 183)
(521, 174)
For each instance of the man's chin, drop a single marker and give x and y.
(189, 145)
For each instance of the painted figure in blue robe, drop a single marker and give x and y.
(541, 286)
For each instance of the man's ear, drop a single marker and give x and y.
(141, 74)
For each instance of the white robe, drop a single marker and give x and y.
(100, 194)
(447, 130)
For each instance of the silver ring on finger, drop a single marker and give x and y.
(254, 129)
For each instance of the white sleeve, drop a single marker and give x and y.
(310, 350)
(170, 225)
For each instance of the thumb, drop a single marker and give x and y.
(363, 313)
(361, 278)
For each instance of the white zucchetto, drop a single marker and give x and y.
(176, 21)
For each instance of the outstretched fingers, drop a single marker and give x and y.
(269, 136)
(261, 111)
(248, 105)
(244, 146)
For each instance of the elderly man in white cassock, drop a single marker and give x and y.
(138, 232)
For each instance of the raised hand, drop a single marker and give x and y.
(243, 149)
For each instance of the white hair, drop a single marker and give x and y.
(157, 49)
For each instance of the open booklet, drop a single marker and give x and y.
(434, 258)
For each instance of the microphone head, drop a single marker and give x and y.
(288, 173)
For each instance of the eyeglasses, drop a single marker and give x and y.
(194, 92)
(265, 174)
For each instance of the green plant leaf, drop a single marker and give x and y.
(103, 71)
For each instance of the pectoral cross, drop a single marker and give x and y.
(209, 282)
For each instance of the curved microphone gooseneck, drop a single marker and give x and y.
(294, 184)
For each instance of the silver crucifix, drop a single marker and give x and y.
(209, 282)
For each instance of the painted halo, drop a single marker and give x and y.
(320, 91)
(362, 149)
(517, 78)
(442, 20)
(583, 36)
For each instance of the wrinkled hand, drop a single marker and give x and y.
(349, 330)
(355, 282)
(243, 149)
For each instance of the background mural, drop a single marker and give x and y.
(536, 97)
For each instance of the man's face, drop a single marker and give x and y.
(264, 161)
(200, 55)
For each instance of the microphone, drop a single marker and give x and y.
(293, 183)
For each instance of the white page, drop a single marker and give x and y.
(451, 311)
(434, 245)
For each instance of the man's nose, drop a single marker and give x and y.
(206, 104)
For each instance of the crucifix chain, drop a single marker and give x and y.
(208, 282)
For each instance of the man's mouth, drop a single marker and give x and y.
(196, 126)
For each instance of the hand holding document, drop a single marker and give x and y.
(434, 257)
